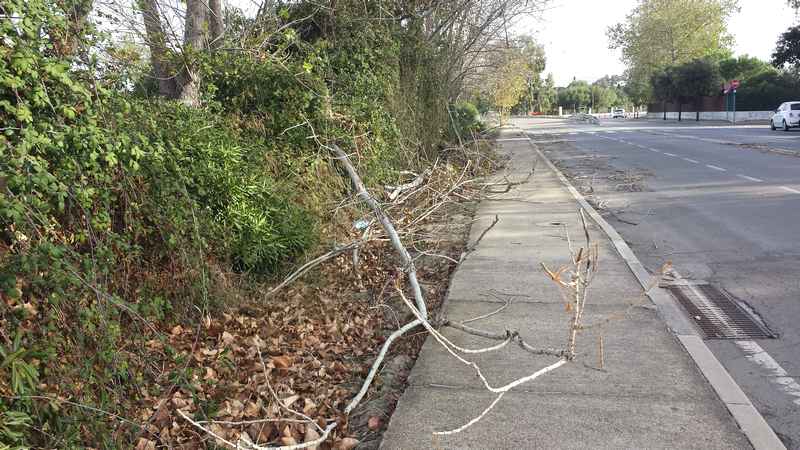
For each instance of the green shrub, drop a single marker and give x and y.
(111, 210)
(267, 229)
(767, 90)
(466, 119)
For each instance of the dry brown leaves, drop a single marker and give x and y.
(318, 339)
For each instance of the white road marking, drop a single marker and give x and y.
(671, 154)
(757, 180)
(720, 169)
(757, 355)
(512, 139)
(653, 150)
(788, 189)
(691, 160)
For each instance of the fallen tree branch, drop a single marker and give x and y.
(508, 183)
(362, 192)
(470, 330)
(313, 263)
(513, 335)
(244, 444)
(416, 182)
(478, 241)
(376, 365)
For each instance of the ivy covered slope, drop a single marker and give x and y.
(120, 208)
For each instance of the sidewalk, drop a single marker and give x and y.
(650, 395)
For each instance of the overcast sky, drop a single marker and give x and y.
(573, 33)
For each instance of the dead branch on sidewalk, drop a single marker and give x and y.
(403, 232)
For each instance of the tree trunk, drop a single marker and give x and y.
(193, 41)
(216, 25)
(156, 42)
(697, 106)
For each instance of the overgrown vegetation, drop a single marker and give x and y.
(142, 192)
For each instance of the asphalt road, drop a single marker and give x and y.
(723, 213)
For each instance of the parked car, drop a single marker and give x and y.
(786, 116)
(618, 113)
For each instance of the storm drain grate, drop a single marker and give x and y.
(717, 314)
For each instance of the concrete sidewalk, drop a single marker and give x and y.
(649, 395)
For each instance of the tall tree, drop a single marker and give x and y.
(694, 80)
(510, 80)
(547, 95)
(576, 95)
(658, 33)
(174, 59)
(638, 90)
(157, 43)
(664, 84)
(533, 56)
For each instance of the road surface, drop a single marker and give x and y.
(716, 202)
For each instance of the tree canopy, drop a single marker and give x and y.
(658, 33)
(787, 50)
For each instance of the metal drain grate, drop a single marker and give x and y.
(717, 314)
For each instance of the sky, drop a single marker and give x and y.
(573, 33)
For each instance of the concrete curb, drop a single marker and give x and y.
(751, 422)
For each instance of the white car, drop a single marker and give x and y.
(787, 115)
(617, 113)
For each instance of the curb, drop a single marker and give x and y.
(750, 421)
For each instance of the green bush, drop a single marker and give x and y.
(267, 228)
(225, 194)
(111, 210)
(765, 91)
(466, 118)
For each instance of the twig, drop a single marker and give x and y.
(470, 330)
(313, 263)
(473, 421)
(484, 316)
(416, 182)
(325, 432)
(477, 241)
(374, 370)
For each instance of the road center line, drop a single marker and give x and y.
(757, 180)
(720, 169)
(691, 160)
(788, 189)
(671, 154)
